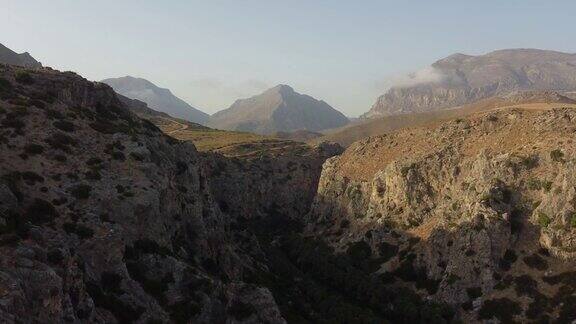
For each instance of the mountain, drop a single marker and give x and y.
(539, 100)
(477, 212)
(279, 109)
(7, 56)
(157, 98)
(105, 219)
(461, 79)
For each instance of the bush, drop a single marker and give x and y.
(93, 161)
(543, 219)
(119, 156)
(81, 191)
(93, 175)
(572, 219)
(82, 231)
(34, 149)
(24, 77)
(61, 141)
(503, 309)
(64, 125)
(536, 262)
(557, 155)
(474, 292)
(31, 177)
(525, 285)
(41, 212)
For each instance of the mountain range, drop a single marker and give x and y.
(279, 109)
(462, 79)
(464, 215)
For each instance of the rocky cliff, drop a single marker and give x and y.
(477, 212)
(461, 79)
(103, 218)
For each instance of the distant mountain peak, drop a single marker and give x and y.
(278, 109)
(282, 89)
(157, 98)
(461, 79)
(8, 56)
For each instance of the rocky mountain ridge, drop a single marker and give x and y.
(279, 109)
(157, 98)
(7, 56)
(462, 79)
(105, 219)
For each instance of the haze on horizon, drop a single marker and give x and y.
(211, 53)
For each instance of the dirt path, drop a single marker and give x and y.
(182, 126)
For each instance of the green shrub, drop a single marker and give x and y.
(55, 256)
(535, 261)
(525, 285)
(31, 177)
(82, 231)
(64, 125)
(529, 162)
(93, 175)
(543, 219)
(40, 212)
(61, 141)
(241, 311)
(34, 149)
(24, 77)
(557, 155)
(572, 219)
(503, 309)
(474, 292)
(93, 161)
(119, 156)
(81, 191)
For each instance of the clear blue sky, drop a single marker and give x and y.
(211, 52)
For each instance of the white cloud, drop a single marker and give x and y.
(426, 75)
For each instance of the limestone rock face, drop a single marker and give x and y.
(105, 219)
(453, 208)
(462, 79)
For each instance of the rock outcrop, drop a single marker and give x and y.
(461, 79)
(454, 209)
(279, 109)
(103, 218)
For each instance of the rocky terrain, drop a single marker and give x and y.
(477, 212)
(159, 99)
(538, 100)
(103, 218)
(279, 109)
(8, 56)
(109, 213)
(462, 79)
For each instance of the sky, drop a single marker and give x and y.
(212, 52)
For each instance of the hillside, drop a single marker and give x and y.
(159, 99)
(462, 79)
(279, 109)
(477, 212)
(7, 56)
(103, 218)
(382, 125)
